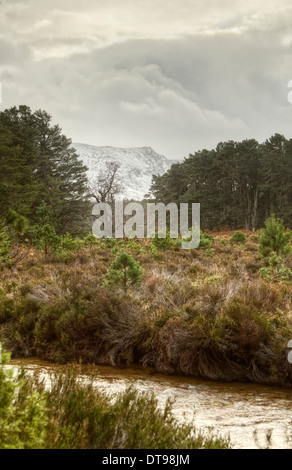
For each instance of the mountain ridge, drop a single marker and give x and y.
(137, 165)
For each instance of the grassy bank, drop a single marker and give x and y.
(217, 312)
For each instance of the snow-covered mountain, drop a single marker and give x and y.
(137, 165)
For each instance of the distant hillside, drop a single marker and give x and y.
(137, 165)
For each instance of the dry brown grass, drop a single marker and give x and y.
(199, 313)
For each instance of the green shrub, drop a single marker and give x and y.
(90, 240)
(274, 239)
(238, 237)
(109, 243)
(134, 246)
(277, 270)
(153, 251)
(266, 273)
(46, 239)
(23, 412)
(284, 273)
(69, 243)
(125, 271)
(5, 247)
(206, 240)
(210, 252)
(16, 222)
(164, 243)
(275, 260)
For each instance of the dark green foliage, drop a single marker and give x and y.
(274, 239)
(90, 240)
(12, 227)
(276, 270)
(38, 162)
(23, 412)
(44, 233)
(44, 215)
(206, 240)
(239, 184)
(69, 243)
(276, 173)
(16, 223)
(125, 271)
(238, 237)
(109, 243)
(46, 239)
(165, 243)
(18, 190)
(5, 246)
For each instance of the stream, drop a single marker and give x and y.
(248, 413)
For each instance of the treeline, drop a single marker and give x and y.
(239, 184)
(38, 165)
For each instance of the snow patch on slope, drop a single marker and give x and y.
(137, 166)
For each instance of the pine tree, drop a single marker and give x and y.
(47, 163)
(274, 239)
(17, 188)
(44, 233)
(239, 184)
(125, 271)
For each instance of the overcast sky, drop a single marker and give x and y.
(176, 75)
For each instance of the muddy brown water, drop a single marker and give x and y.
(248, 413)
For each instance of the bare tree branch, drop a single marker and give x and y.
(107, 184)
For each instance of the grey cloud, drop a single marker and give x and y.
(175, 95)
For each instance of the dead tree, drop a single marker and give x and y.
(106, 184)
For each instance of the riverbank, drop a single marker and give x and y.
(200, 313)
